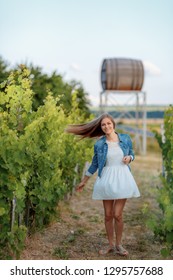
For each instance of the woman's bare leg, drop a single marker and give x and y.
(118, 217)
(113, 213)
(109, 222)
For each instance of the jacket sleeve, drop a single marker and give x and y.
(131, 151)
(94, 165)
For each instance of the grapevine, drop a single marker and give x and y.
(163, 226)
(38, 159)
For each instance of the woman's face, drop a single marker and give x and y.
(107, 126)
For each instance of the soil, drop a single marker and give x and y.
(79, 232)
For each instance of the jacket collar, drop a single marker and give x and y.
(119, 136)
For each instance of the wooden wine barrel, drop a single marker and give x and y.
(122, 74)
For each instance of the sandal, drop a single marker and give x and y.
(121, 251)
(106, 250)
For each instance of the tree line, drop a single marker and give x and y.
(42, 83)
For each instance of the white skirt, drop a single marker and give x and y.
(116, 181)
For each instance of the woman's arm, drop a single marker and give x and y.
(91, 170)
(80, 186)
(131, 156)
(131, 151)
(94, 165)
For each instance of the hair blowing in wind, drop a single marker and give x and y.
(91, 129)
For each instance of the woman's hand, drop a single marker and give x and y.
(80, 186)
(127, 159)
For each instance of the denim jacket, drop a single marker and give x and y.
(101, 149)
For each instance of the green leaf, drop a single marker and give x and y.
(165, 252)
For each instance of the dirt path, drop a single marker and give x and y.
(79, 232)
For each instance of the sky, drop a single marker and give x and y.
(72, 37)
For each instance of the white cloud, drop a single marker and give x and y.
(151, 69)
(75, 67)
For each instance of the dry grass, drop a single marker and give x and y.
(79, 232)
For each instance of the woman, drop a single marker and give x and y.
(112, 154)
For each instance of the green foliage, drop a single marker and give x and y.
(16, 240)
(4, 73)
(61, 253)
(39, 161)
(163, 225)
(42, 84)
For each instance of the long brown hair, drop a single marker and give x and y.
(91, 129)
